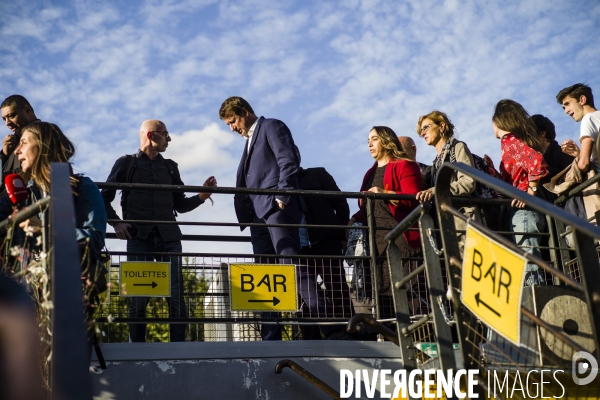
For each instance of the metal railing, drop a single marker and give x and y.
(414, 325)
(430, 329)
(543, 344)
(207, 265)
(308, 377)
(67, 373)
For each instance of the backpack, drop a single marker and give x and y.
(486, 165)
(92, 265)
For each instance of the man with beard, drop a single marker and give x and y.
(16, 113)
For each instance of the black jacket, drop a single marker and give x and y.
(152, 205)
(321, 210)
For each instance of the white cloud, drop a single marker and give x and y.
(210, 151)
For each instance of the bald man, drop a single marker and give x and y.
(149, 166)
(410, 148)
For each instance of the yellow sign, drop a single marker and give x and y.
(145, 279)
(263, 287)
(492, 283)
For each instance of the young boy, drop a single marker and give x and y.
(578, 102)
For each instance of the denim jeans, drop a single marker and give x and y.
(523, 220)
(177, 306)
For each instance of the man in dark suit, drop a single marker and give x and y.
(268, 162)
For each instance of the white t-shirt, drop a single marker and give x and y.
(590, 127)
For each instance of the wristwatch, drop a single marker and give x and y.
(534, 188)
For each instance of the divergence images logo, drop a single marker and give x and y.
(584, 363)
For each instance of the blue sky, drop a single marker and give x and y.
(329, 69)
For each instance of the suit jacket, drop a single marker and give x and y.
(270, 163)
(322, 210)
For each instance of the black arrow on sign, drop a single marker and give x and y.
(153, 284)
(478, 300)
(275, 301)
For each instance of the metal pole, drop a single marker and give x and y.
(70, 376)
(587, 255)
(374, 266)
(308, 376)
(465, 321)
(435, 284)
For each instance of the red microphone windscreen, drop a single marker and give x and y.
(15, 188)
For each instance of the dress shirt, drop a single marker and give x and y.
(250, 134)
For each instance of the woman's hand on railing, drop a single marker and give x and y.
(32, 225)
(425, 195)
(377, 189)
(517, 204)
(520, 204)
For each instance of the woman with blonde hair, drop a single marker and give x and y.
(391, 173)
(438, 131)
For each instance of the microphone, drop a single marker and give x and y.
(16, 189)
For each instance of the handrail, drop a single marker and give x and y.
(583, 185)
(69, 365)
(235, 190)
(234, 255)
(415, 325)
(373, 323)
(235, 224)
(24, 214)
(523, 253)
(577, 189)
(408, 221)
(298, 192)
(203, 238)
(308, 376)
(231, 224)
(585, 236)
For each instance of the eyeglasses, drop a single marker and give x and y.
(164, 134)
(425, 128)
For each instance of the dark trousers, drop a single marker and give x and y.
(177, 306)
(279, 241)
(335, 300)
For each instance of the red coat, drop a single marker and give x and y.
(402, 177)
